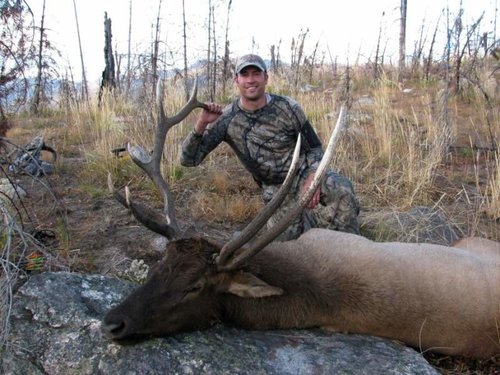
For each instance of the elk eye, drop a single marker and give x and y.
(194, 289)
(191, 293)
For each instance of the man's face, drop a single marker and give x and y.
(251, 82)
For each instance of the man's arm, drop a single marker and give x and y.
(207, 116)
(198, 144)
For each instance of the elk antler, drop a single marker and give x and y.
(165, 225)
(232, 260)
(258, 222)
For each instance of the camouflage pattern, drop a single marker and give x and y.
(338, 208)
(264, 141)
(250, 60)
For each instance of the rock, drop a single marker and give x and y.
(365, 100)
(55, 329)
(159, 243)
(420, 224)
(10, 191)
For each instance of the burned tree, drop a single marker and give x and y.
(108, 74)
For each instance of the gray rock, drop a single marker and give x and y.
(55, 329)
(420, 224)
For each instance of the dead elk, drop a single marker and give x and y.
(444, 299)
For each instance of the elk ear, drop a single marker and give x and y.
(247, 285)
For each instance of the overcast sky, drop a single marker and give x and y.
(342, 28)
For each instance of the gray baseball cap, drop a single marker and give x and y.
(250, 60)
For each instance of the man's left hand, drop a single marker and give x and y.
(315, 198)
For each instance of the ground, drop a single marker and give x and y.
(86, 230)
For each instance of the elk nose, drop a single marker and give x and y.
(114, 329)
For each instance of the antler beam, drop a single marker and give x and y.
(151, 163)
(238, 258)
(258, 222)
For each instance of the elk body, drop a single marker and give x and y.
(445, 299)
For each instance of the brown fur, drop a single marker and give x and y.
(429, 296)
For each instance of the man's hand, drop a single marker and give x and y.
(317, 194)
(207, 116)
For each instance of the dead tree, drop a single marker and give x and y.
(35, 104)
(460, 51)
(297, 55)
(428, 62)
(226, 62)
(376, 64)
(129, 53)
(402, 37)
(85, 90)
(209, 50)
(418, 51)
(156, 45)
(108, 74)
(184, 38)
(214, 54)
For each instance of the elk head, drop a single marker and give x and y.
(183, 290)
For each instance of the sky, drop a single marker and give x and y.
(342, 29)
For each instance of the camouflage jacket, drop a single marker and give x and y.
(263, 140)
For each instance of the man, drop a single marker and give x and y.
(262, 130)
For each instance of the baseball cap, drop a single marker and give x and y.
(250, 60)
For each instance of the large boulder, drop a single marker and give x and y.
(55, 328)
(419, 224)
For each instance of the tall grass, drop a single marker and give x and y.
(393, 149)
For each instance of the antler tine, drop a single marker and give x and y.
(165, 123)
(167, 224)
(275, 231)
(150, 218)
(258, 222)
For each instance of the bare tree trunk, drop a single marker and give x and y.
(299, 51)
(278, 58)
(184, 38)
(333, 64)
(156, 44)
(431, 50)
(457, 28)
(445, 95)
(346, 94)
(85, 90)
(108, 75)
(376, 69)
(214, 55)
(461, 53)
(118, 71)
(129, 75)
(209, 49)
(35, 105)
(273, 58)
(313, 61)
(418, 51)
(402, 38)
(225, 70)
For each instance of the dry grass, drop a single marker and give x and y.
(395, 149)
